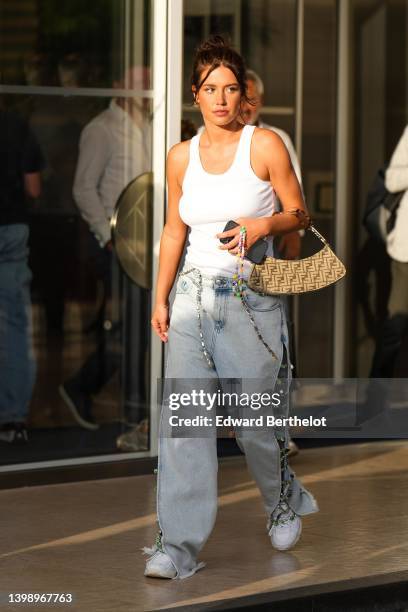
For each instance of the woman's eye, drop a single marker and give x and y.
(209, 89)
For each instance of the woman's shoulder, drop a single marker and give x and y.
(265, 136)
(179, 153)
(268, 143)
(177, 159)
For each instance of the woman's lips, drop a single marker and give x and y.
(221, 113)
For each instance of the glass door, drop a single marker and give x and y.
(78, 79)
(380, 75)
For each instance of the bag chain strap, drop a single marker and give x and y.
(206, 354)
(305, 220)
(318, 234)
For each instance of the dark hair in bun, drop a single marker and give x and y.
(215, 52)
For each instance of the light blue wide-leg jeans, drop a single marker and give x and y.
(187, 467)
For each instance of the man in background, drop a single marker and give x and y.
(114, 149)
(21, 161)
(396, 322)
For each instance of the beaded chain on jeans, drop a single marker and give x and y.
(283, 505)
(206, 354)
(239, 291)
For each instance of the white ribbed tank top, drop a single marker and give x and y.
(209, 200)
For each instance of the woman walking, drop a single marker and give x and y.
(219, 328)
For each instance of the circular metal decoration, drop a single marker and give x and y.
(131, 227)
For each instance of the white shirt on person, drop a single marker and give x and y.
(396, 179)
(113, 150)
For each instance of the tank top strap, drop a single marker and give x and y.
(243, 155)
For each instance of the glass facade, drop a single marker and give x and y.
(265, 33)
(80, 78)
(380, 102)
(314, 322)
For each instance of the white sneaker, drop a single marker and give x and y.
(160, 566)
(285, 528)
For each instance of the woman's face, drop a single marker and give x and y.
(219, 97)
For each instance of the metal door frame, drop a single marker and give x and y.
(167, 88)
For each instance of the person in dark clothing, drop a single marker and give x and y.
(21, 161)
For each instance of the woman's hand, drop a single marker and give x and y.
(160, 321)
(255, 229)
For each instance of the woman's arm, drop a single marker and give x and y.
(95, 149)
(172, 239)
(270, 148)
(271, 160)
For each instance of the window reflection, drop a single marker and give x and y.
(90, 322)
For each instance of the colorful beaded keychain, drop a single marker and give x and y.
(238, 278)
(239, 287)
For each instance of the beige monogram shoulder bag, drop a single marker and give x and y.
(280, 276)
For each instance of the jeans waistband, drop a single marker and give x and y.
(216, 281)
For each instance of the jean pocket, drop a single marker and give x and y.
(260, 301)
